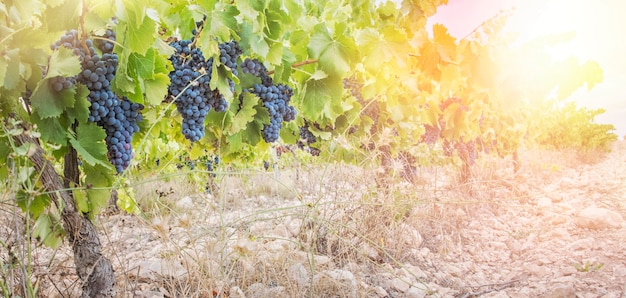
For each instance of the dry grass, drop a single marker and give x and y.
(321, 218)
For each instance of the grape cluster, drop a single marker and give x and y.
(467, 151)
(306, 139)
(370, 108)
(61, 83)
(306, 135)
(120, 125)
(275, 99)
(190, 84)
(253, 67)
(229, 53)
(106, 42)
(117, 116)
(431, 134)
(449, 101)
(355, 88)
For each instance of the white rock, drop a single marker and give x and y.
(185, 203)
(256, 290)
(581, 244)
(335, 282)
(400, 285)
(321, 260)
(598, 218)
(500, 294)
(151, 269)
(415, 292)
(544, 202)
(416, 272)
(560, 291)
(619, 271)
(369, 251)
(281, 231)
(380, 292)
(236, 292)
(148, 294)
(294, 226)
(278, 291)
(298, 274)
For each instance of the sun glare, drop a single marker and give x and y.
(593, 22)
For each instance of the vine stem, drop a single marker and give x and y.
(298, 64)
(82, 28)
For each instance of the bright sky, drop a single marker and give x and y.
(600, 28)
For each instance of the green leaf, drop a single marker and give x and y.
(245, 115)
(334, 52)
(275, 54)
(51, 129)
(89, 143)
(139, 31)
(62, 17)
(12, 76)
(319, 92)
(143, 65)
(49, 103)
(48, 230)
(4, 64)
(80, 198)
(290, 133)
(80, 110)
(156, 88)
(33, 204)
(221, 22)
(98, 185)
(63, 63)
(235, 143)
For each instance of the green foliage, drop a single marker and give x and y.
(588, 266)
(571, 127)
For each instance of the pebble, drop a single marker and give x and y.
(561, 291)
(598, 218)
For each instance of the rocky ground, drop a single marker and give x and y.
(554, 229)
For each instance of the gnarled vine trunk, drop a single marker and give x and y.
(94, 269)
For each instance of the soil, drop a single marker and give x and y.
(554, 229)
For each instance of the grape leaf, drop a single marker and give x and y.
(143, 65)
(51, 129)
(46, 228)
(80, 110)
(80, 198)
(89, 143)
(33, 204)
(334, 52)
(139, 30)
(290, 133)
(63, 63)
(97, 183)
(235, 143)
(445, 42)
(245, 115)
(46, 101)
(49, 103)
(156, 88)
(59, 17)
(12, 76)
(317, 96)
(221, 22)
(4, 64)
